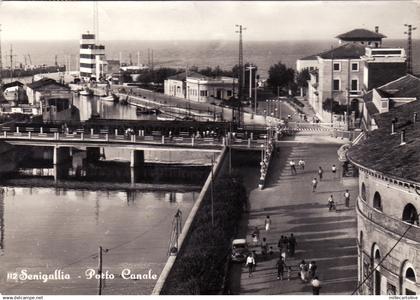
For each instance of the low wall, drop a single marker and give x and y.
(219, 169)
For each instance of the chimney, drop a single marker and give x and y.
(403, 142)
(377, 29)
(415, 117)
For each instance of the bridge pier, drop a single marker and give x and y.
(61, 154)
(136, 158)
(93, 153)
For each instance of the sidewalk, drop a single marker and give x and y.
(329, 238)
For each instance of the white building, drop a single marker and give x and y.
(91, 57)
(197, 87)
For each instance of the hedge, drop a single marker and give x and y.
(200, 266)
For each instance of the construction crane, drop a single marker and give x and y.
(30, 60)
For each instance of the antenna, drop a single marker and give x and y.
(96, 21)
(241, 71)
(409, 31)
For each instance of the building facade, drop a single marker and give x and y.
(388, 205)
(196, 87)
(53, 99)
(91, 56)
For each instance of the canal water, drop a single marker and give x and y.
(47, 229)
(52, 224)
(92, 105)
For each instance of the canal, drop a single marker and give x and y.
(51, 225)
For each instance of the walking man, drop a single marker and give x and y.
(316, 286)
(292, 245)
(320, 172)
(314, 184)
(301, 164)
(250, 262)
(280, 268)
(293, 167)
(347, 198)
(267, 223)
(333, 170)
(331, 204)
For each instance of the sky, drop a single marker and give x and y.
(204, 20)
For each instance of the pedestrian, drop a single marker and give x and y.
(250, 261)
(301, 164)
(331, 204)
(292, 167)
(316, 286)
(256, 235)
(292, 244)
(320, 172)
(347, 198)
(254, 255)
(267, 223)
(280, 244)
(333, 170)
(312, 269)
(314, 184)
(280, 268)
(271, 251)
(264, 247)
(303, 267)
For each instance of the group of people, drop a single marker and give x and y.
(292, 164)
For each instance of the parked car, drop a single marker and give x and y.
(239, 250)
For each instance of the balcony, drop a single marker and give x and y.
(391, 224)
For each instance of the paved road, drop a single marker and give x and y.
(329, 238)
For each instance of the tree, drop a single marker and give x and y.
(302, 78)
(279, 76)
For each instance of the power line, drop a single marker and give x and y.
(380, 263)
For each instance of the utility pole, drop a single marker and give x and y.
(11, 63)
(409, 31)
(138, 58)
(250, 68)
(212, 192)
(100, 270)
(332, 84)
(240, 72)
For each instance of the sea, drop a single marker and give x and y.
(180, 54)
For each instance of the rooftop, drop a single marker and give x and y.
(43, 82)
(360, 34)
(310, 57)
(404, 87)
(346, 51)
(382, 152)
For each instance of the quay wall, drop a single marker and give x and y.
(7, 159)
(219, 168)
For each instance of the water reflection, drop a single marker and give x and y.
(60, 229)
(94, 106)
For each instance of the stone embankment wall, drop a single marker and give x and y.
(220, 167)
(7, 159)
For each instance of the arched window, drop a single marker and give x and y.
(377, 202)
(363, 192)
(410, 275)
(408, 279)
(410, 214)
(377, 274)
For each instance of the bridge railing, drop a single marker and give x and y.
(132, 139)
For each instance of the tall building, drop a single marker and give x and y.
(345, 73)
(91, 57)
(388, 204)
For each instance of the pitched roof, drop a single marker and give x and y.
(346, 51)
(407, 86)
(310, 57)
(10, 84)
(361, 34)
(382, 151)
(179, 76)
(43, 82)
